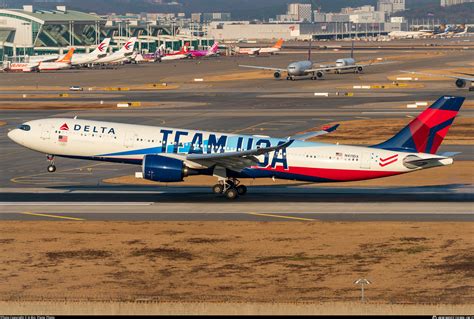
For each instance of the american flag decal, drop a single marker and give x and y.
(62, 139)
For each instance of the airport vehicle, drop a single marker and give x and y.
(203, 53)
(121, 55)
(169, 154)
(461, 81)
(256, 51)
(76, 88)
(60, 64)
(305, 68)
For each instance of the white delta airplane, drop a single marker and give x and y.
(121, 55)
(169, 154)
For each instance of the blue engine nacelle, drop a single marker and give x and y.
(163, 169)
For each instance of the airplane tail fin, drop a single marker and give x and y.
(102, 47)
(278, 44)
(214, 48)
(67, 57)
(129, 45)
(426, 132)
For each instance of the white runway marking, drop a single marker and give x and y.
(75, 203)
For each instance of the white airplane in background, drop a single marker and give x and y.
(461, 81)
(256, 51)
(411, 34)
(169, 154)
(304, 68)
(121, 55)
(78, 58)
(60, 64)
(87, 58)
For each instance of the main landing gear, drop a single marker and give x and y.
(230, 187)
(51, 167)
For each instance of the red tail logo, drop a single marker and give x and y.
(64, 127)
(101, 47)
(127, 45)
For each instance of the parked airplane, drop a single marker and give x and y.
(461, 81)
(169, 155)
(20, 67)
(304, 68)
(88, 58)
(60, 64)
(181, 54)
(203, 53)
(411, 34)
(121, 55)
(77, 58)
(256, 51)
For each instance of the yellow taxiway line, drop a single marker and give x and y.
(52, 216)
(281, 216)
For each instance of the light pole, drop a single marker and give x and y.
(362, 282)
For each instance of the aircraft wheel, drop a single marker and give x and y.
(231, 193)
(288, 78)
(51, 168)
(218, 189)
(293, 78)
(242, 189)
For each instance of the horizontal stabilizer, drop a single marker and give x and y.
(414, 161)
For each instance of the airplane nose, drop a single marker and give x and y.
(14, 135)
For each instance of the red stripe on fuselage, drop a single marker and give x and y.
(338, 175)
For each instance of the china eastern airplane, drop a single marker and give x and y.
(121, 55)
(169, 154)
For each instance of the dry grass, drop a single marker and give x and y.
(373, 131)
(144, 307)
(407, 262)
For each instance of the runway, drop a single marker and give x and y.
(122, 203)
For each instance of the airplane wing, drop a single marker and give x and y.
(235, 161)
(305, 136)
(442, 75)
(345, 67)
(262, 68)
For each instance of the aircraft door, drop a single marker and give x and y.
(130, 139)
(46, 132)
(365, 159)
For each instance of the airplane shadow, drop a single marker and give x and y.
(261, 194)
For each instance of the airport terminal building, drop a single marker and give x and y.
(30, 31)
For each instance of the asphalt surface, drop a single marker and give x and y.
(259, 106)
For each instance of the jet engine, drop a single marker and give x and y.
(460, 83)
(359, 69)
(163, 169)
(319, 75)
(277, 75)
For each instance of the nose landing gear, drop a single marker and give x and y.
(51, 166)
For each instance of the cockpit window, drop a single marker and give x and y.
(24, 127)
